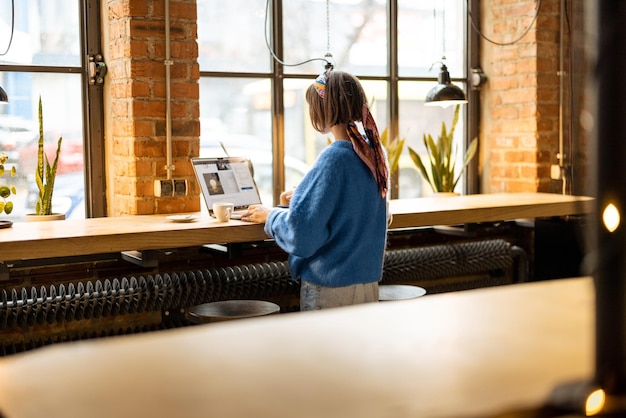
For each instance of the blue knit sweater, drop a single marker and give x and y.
(335, 229)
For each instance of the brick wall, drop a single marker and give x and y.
(136, 119)
(520, 103)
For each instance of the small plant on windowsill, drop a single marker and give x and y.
(6, 190)
(45, 174)
(441, 173)
(393, 148)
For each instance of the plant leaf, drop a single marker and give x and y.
(384, 137)
(432, 150)
(393, 148)
(395, 152)
(45, 172)
(39, 170)
(469, 154)
(455, 120)
(420, 166)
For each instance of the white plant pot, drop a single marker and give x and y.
(31, 217)
(445, 194)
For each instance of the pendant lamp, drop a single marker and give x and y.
(445, 93)
(4, 98)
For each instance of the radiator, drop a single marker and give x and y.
(33, 317)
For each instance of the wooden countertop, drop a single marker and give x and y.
(27, 240)
(149, 232)
(428, 211)
(477, 353)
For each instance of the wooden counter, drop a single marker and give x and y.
(428, 211)
(150, 232)
(27, 240)
(477, 353)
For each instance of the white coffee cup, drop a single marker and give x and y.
(223, 210)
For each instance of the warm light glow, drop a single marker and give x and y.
(611, 217)
(595, 402)
(445, 103)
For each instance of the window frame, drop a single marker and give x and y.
(277, 77)
(92, 105)
(93, 96)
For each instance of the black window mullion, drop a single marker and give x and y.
(278, 105)
(93, 116)
(472, 44)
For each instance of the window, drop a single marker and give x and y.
(253, 104)
(249, 102)
(46, 59)
(427, 31)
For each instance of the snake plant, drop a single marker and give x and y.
(45, 173)
(441, 174)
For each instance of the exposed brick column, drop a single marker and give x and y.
(136, 106)
(520, 102)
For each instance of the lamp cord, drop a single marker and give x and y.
(328, 28)
(443, 30)
(12, 28)
(469, 12)
(443, 35)
(275, 57)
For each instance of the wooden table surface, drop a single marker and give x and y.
(428, 211)
(476, 353)
(149, 232)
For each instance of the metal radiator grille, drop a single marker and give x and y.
(31, 317)
(447, 260)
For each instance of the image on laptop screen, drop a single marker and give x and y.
(226, 179)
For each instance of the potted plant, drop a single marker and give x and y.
(394, 148)
(441, 173)
(6, 190)
(45, 174)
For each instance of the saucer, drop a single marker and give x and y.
(182, 218)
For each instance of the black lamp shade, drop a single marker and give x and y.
(4, 98)
(445, 93)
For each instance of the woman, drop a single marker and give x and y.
(335, 226)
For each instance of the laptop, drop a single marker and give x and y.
(227, 179)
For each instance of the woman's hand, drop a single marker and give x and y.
(285, 197)
(256, 213)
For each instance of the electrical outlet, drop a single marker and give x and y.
(180, 187)
(555, 172)
(164, 188)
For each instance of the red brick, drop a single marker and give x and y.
(148, 108)
(144, 168)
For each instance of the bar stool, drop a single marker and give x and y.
(227, 310)
(387, 292)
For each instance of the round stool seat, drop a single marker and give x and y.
(389, 292)
(230, 309)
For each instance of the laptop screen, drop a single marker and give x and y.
(226, 179)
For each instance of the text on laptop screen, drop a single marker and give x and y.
(227, 179)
